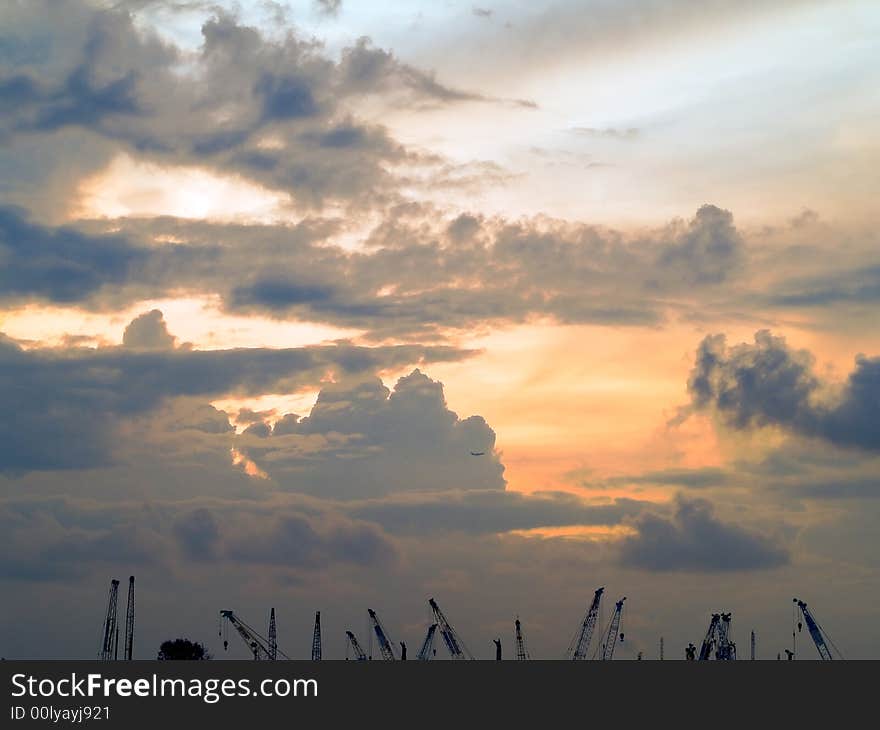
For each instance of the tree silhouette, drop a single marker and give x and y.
(182, 649)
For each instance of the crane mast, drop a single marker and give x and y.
(359, 654)
(386, 648)
(815, 631)
(129, 621)
(110, 643)
(613, 630)
(522, 653)
(427, 648)
(316, 638)
(580, 643)
(454, 643)
(259, 646)
(273, 636)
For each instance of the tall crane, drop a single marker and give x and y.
(273, 636)
(580, 643)
(386, 648)
(427, 650)
(454, 643)
(752, 645)
(613, 631)
(316, 638)
(816, 632)
(258, 644)
(359, 654)
(110, 643)
(718, 639)
(522, 654)
(129, 621)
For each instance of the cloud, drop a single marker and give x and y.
(490, 511)
(628, 133)
(329, 7)
(689, 478)
(362, 439)
(214, 107)
(695, 540)
(766, 383)
(68, 403)
(410, 277)
(148, 331)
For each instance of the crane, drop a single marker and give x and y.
(752, 644)
(129, 621)
(273, 636)
(316, 638)
(427, 650)
(110, 643)
(454, 643)
(522, 653)
(580, 643)
(816, 632)
(718, 638)
(258, 644)
(613, 630)
(359, 654)
(386, 648)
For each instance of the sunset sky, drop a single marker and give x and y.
(271, 271)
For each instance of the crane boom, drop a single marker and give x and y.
(710, 638)
(359, 654)
(427, 650)
(316, 638)
(110, 643)
(522, 653)
(273, 636)
(386, 648)
(129, 621)
(815, 631)
(454, 643)
(259, 645)
(580, 643)
(613, 631)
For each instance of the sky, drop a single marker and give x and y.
(272, 273)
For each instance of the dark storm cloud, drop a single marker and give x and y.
(216, 107)
(487, 512)
(695, 540)
(67, 402)
(362, 440)
(769, 384)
